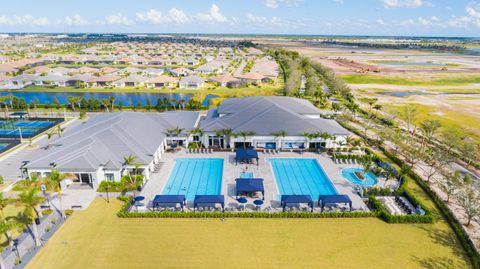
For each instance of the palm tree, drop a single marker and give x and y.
(197, 132)
(59, 130)
(30, 200)
(244, 135)
(131, 182)
(112, 102)
(279, 134)
(6, 226)
(219, 134)
(54, 182)
(72, 100)
(226, 136)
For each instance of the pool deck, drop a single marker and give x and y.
(231, 171)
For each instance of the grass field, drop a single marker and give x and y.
(96, 238)
(391, 80)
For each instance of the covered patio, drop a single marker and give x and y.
(168, 199)
(249, 185)
(296, 199)
(245, 155)
(334, 199)
(209, 199)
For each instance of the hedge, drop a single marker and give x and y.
(456, 226)
(123, 213)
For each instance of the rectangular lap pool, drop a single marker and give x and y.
(195, 176)
(301, 177)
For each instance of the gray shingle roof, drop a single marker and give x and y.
(107, 138)
(265, 115)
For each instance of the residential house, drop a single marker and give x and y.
(191, 82)
(162, 81)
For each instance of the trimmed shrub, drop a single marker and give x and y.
(46, 212)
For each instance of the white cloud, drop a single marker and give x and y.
(75, 20)
(406, 3)
(118, 19)
(472, 17)
(341, 2)
(154, 16)
(213, 16)
(24, 20)
(381, 22)
(287, 3)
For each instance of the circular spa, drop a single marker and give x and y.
(358, 177)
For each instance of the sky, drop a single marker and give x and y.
(317, 17)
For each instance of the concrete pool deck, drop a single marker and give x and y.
(231, 171)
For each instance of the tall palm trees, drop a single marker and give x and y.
(280, 134)
(197, 132)
(54, 182)
(226, 136)
(244, 135)
(30, 200)
(131, 182)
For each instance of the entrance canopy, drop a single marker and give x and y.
(334, 199)
(209, 199)
(168, 199)
(296, 199)
(249, 185)
(245, 155)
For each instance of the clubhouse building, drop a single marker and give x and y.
(95, 151)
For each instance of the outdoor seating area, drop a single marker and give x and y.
(397, 205)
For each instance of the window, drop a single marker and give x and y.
(109, 177)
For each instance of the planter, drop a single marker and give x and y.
(37, 221)
(359, 175)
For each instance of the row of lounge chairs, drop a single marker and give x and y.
(403, 205)
(202, 150)
(271, 151)
(346, 161)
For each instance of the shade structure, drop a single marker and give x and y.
(334, 199)
(249, 185)
(168, 199)
(388, 166)
(209, 199)
(296, 199)
(245, 155)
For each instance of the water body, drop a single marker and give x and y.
(400, 63)
(407, 94)
(126, 99)
(206, 101)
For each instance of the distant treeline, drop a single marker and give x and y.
(395, 45)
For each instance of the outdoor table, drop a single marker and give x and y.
(258, 203)
(242, 201)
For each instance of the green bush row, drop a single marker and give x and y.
(389, 218)
(456, 226)
(123, 213)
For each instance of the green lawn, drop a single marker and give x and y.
(391, 80)
(96, 238)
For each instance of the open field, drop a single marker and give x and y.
(452, 79)
(236, 243)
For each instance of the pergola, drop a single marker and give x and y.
(334, 199)
(209, 199)
(245, 154)
(249, 185)
(168, 199)
(296, 199)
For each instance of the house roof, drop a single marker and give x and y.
(191, 79)
(266, 115)
(162, 79)
(251, 75)
(105, 139)
(223, 79)
(133, 78)
(106, 78)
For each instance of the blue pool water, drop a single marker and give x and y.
(348, 174)
(301, 177)
(246, 175)
(195, 176)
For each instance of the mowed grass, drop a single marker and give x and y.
(96, 238)
(392, 80)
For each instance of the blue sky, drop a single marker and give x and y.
(349, 17)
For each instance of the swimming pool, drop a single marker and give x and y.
(25, 127)
(195, 176)
(301, 177)
(349, 174)
(246, 175)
